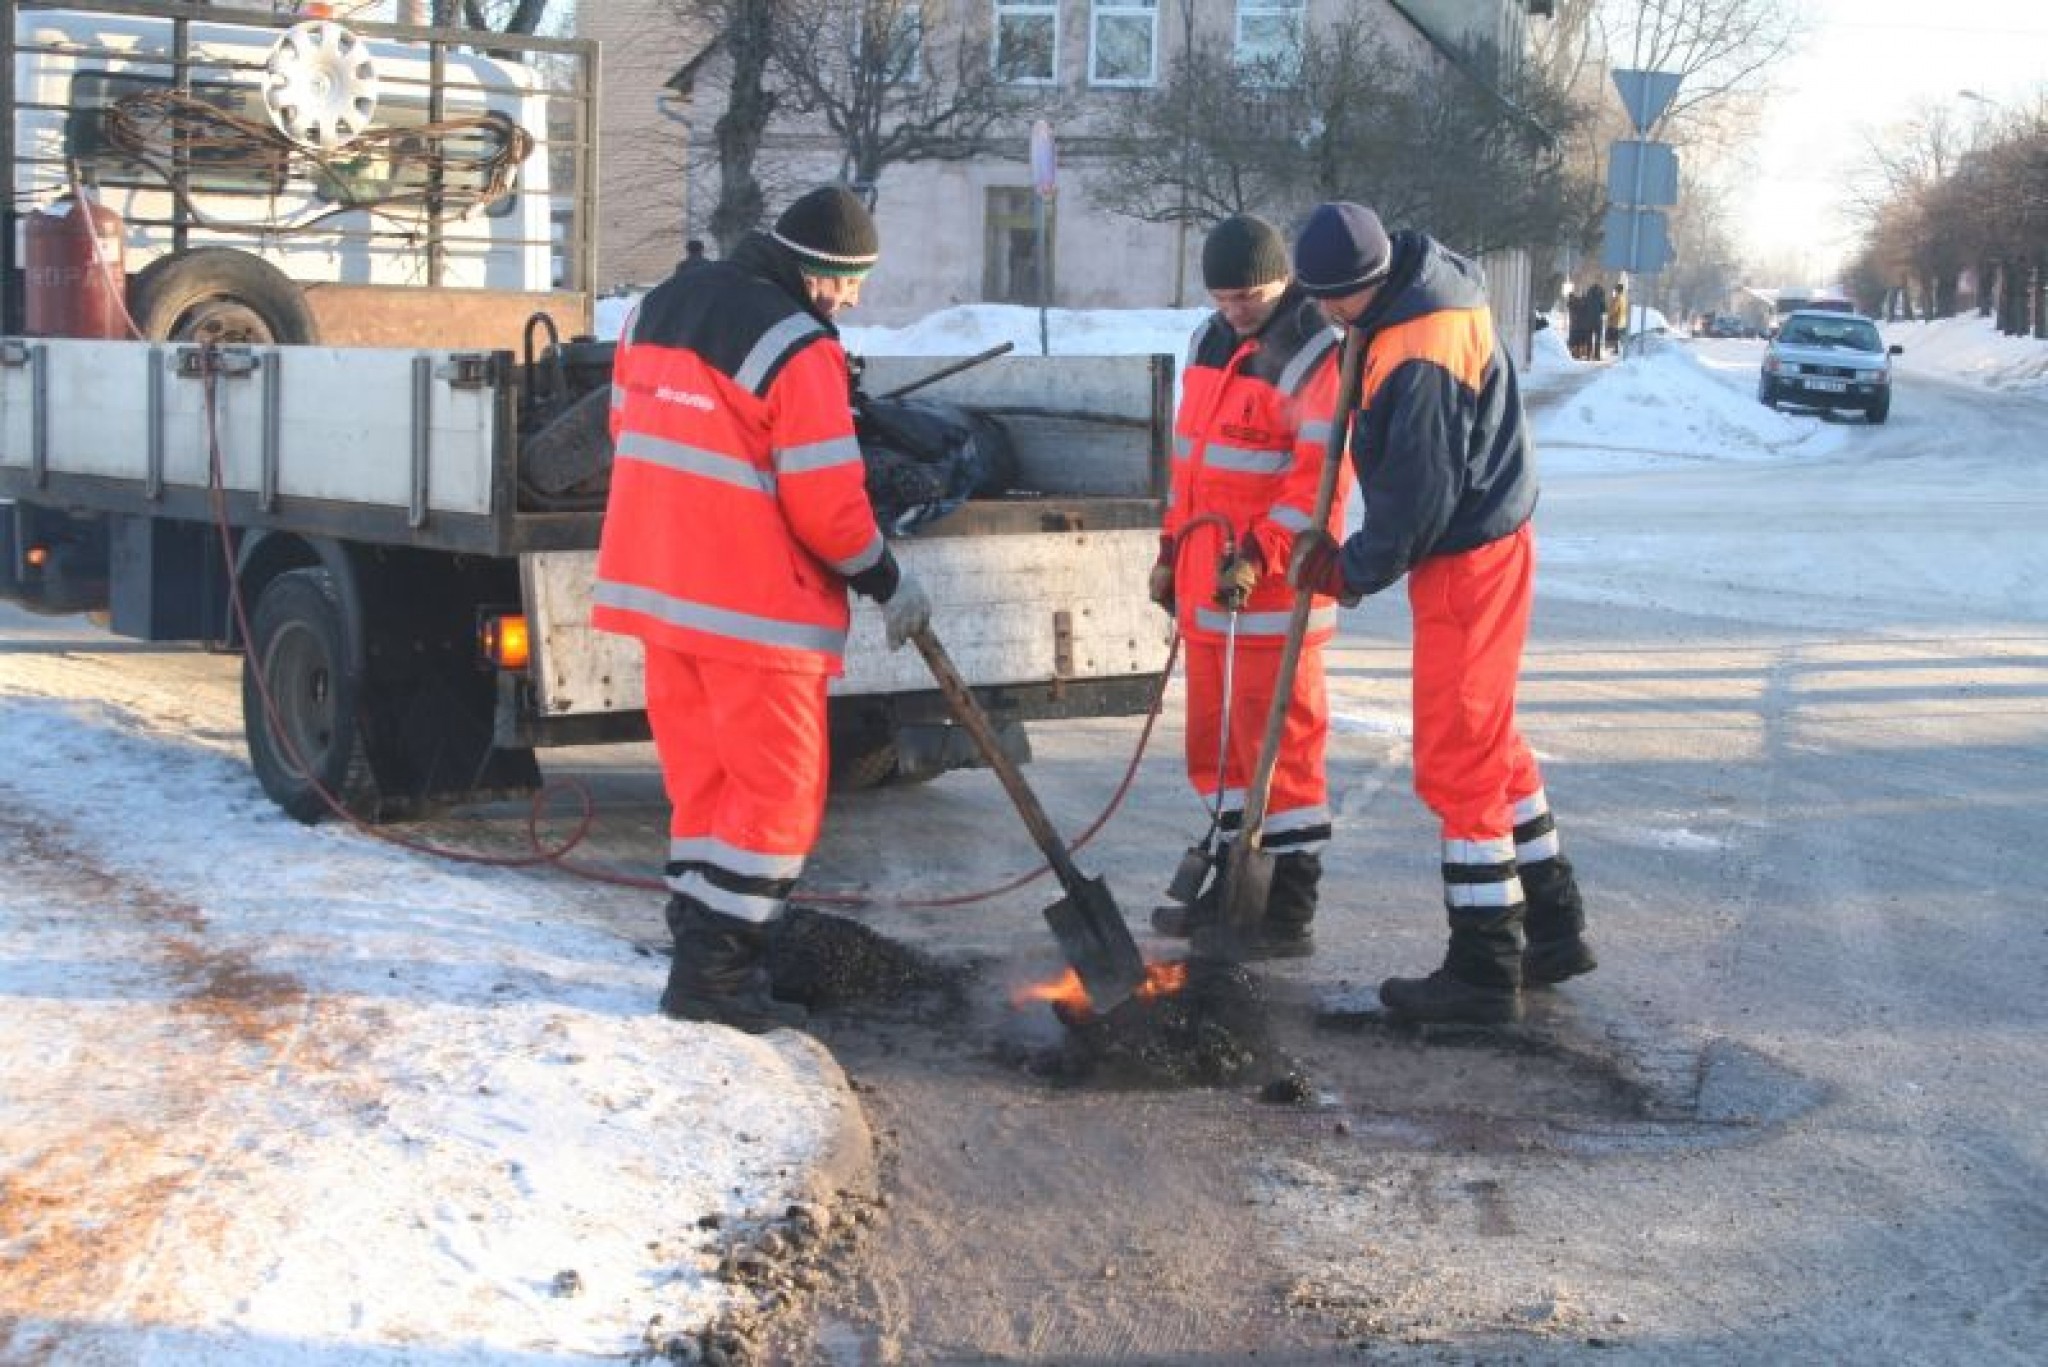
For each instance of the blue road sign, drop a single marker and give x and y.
(1646, 95)
(1657, 164)
(1634, 240)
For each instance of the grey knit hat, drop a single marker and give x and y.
(1341, 250)
(1241, 251)
(831, 233)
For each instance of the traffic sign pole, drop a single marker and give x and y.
(1646, 95)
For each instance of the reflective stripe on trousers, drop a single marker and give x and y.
(743, 757)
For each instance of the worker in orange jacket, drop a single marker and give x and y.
(1256, 398)
(738, 517)
(1445, 466)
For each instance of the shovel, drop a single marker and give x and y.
(1090, 928)
(1248, 871)
(1200, 860)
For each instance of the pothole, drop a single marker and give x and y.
(1318, 1057)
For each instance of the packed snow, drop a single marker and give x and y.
(280, 1094)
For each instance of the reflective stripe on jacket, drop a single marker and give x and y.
(1248, 449)
(738, 504)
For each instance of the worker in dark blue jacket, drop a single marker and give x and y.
(1444, 463)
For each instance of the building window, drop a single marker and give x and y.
(1027, 37)
(1123, 41)
(1010, 261)
(1269, 38)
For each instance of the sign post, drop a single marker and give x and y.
(1045, 180)
(1651, 172)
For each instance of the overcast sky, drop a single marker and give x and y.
(1867, 65)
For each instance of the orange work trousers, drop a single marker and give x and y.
(744, 758)
(1298, 803)
(1471, 614)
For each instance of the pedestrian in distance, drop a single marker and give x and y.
(1596, 320)
(1445, 466)
(1617, 317)
(1256, 398)
(738, 518)
(1579, 308)
(693, 252)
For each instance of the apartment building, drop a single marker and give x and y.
(966, 231)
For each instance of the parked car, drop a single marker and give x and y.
(1828, 360)
(1727, 325)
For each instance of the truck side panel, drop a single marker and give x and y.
(1036, 608)
(393, 429)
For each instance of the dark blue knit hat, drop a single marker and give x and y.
(1341, 250)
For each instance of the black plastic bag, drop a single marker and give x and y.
(924, 459)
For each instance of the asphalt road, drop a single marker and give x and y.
(1794, 717)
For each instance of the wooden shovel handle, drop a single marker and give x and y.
(970, 715)
(1350, 375)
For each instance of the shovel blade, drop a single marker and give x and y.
(1096, 942)
(1247, 882)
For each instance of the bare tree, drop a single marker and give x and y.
(1707, 271)
(1213, 140)
(496, 16)
(1719, 49)
(1347, 118)
(877, 74)
(1936, 198)
(1900, 200)
(734, 62)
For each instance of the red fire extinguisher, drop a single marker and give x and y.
(74, 254)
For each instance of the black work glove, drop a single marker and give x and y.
(1159, 584)
(1318, 566)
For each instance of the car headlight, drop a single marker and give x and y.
(1870, 376)
(1770, 365)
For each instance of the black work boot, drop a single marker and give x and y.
(720, 971)
(1557, 947)
(1480, 982)
(1285, 931)
(1180, 921)
(1282, 933)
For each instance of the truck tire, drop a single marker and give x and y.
(218, 294)
(299, 654)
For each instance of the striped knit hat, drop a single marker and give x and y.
(831, 233)
(1341, 250)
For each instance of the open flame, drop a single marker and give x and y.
(1067, 997)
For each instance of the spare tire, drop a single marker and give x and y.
(218, 294)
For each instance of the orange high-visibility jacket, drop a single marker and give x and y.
(738, 505)
(1248, 447)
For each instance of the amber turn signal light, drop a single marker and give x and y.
(502, 640)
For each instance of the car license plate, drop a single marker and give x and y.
(1826, 386)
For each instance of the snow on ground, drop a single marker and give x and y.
(288, 1095)
(268, 1092)
(1968, 348)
